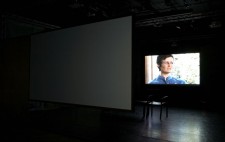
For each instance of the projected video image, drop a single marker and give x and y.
(178, 69)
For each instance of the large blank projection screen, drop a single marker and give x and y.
(85, 65)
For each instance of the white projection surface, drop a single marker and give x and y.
(86, 65)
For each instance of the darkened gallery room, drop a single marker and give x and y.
(112, 71)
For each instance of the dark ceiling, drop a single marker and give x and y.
(68, 13)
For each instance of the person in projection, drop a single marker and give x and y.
(165, 66)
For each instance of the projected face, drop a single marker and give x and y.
(166, 65)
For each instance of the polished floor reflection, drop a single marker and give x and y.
(82, 124)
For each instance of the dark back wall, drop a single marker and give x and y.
(14, 77)
(14, 98)
(211, 58)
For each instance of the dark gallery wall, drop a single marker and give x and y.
(15, 69)
(14, 77)
(208, 43)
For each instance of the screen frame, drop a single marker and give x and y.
(183, 61)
